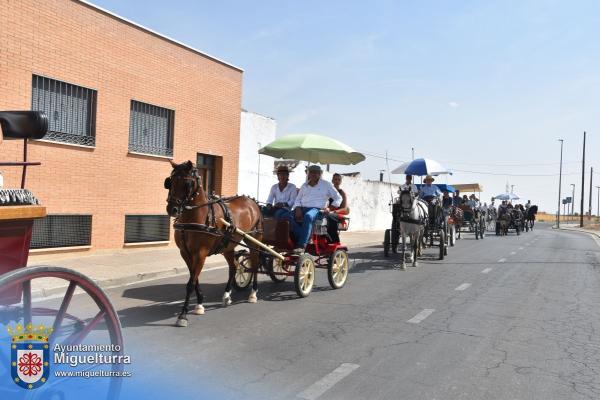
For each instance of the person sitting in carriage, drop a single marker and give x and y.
(447, 201)
(456, 199)
(312, 198)
(282, 195)
(430, 193)
(336, 214)
(473, 202)
(408, 185)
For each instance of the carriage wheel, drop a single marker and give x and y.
(277, 272)
(476, 229)
(482, 231)
(442, 245)
(304, 275)
(518, 230)
(526, 226)
(497, 229)
(76, 330)
(337, 269)
(386, 243)
(243, 276)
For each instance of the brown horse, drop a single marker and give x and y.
(199, 232)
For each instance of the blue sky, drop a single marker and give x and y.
(483, 86)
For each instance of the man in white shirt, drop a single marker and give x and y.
(409, 185)
(282, 195)
(313, 197)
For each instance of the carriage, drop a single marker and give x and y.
(509, 218)
(437, 228)
(18, 283)
(282, 262)
(474, 220)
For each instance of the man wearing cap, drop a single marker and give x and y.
(429, 191)
(282, 194)
(313, 197)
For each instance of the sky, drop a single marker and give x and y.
(484, 87)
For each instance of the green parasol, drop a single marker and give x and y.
(313, 148)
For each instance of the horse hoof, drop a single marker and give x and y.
(415, 264)
(181, 322)
(253, 298)
(199, 310)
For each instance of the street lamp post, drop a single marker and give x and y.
(598, 215)
(559, 184)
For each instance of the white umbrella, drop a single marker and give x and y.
(421, 167)
(507, 196)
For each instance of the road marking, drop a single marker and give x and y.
(462, 287)
(502, 260)
(512, 253)
(315, 390)
(485, 271)
(521, 248)
(421, 316)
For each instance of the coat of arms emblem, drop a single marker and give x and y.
(30, 355)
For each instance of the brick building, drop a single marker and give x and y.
(121, 100)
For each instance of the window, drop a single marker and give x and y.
(62, 230)
(146, 228)
(151, 129)
(71, 110)
(208, 166)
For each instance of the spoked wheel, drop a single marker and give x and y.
(452, 238)
(304, 275)
(277, 272)
(386, 242)
(442, 245)
(337, 269)
(243, 276)
(96, 322)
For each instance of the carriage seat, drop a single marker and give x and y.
(23, 124)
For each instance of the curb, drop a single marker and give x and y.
(111, 283)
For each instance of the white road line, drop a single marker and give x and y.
(521, 248)
(502, 260)
(462, 287)
(421, 316)
(512, 253)
(485, 271)
(315, 390)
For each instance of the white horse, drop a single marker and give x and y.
(413, 217)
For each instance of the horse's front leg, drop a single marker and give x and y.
(403, 266)
(182, 320)
(229, 257)
(415, 248)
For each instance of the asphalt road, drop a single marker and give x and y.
(511, 317)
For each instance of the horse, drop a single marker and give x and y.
(413, 217)
(530, 217)
(503, 222)
(457, 216)
(200, 233)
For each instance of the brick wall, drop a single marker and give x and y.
(72, 42)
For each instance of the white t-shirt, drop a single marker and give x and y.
(318, 196)
(288, 195)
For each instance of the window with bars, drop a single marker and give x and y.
(71, 110)
(146, 228)
(62, 230)
(207, 167)
(151, 129)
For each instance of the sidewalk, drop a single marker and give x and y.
(126, 266)
(575, 227)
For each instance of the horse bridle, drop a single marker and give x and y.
(193, 185)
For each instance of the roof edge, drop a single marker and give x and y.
(157, 34)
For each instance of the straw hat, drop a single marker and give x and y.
(428, 178)
(282, 169)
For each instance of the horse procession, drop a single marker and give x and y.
(290, 236)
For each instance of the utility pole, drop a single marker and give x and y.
(381, 171)
(559, 185)
(512, 187)
(258, 177)
(582, 183)
(591, 190)
(413, 152)
(598, 215)
(572, 200)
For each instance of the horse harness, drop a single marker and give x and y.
(209, 227)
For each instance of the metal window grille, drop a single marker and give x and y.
(146, 228)
(206, 165)
(62, 230)
(151, 129)
(71, 110)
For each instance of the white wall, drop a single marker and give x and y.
(255, 129)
